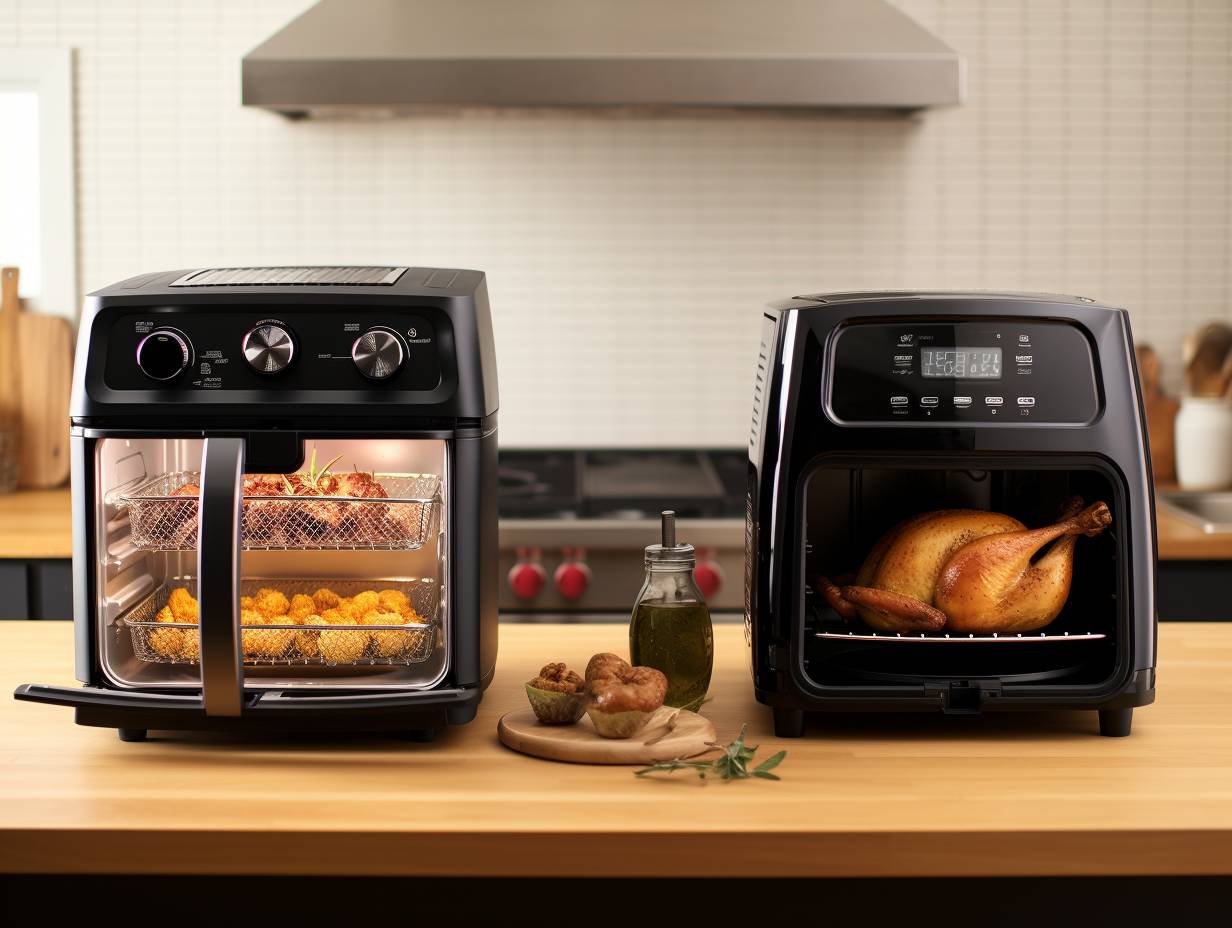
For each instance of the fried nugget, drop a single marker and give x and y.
(266, 643)
(247, 602)
(342, 646)
(393, 601)
(164, 615)
(325, 598)
(272, 603)
(306, 642)
(410, 616)
(182, 605)
(363, 603)
(335, 617)
(190, 644)
(388, 642)
(301, 607)
(166, 642)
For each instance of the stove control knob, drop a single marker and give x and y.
(378, 353)
(269, 349)
(164, 354)
(709, 578)
(526, 579)
(572, 578)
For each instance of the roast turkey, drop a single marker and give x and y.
(966, 570)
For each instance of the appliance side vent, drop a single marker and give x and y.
(761, 385)
(333, 276)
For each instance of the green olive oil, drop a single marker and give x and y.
(670, 629)
(676, 638)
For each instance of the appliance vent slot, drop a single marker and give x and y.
(760, 384)
(292, 277)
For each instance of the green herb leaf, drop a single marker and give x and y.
(771, 762)
(731, 764)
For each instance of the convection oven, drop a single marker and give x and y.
(284, 501)
(949, 508)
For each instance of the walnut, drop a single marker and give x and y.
(558, 695)
(557, 678)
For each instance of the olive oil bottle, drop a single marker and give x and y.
(670, 629)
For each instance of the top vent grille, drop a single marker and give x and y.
(292, 277)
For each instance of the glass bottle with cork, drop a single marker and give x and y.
(670, 629)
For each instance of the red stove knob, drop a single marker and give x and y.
(526, 579)
(709, 577)
(572, 579)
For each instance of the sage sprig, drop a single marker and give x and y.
(731, 764)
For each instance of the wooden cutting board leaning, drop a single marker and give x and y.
(42, 368)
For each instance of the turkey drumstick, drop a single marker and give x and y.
(991, 584)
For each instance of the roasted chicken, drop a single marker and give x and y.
(966, 570)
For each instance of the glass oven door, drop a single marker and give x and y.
(331, 577)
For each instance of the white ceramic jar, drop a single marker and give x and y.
(1204, 443)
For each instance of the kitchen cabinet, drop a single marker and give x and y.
(36, 550)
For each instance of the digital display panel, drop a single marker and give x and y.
(961, 363)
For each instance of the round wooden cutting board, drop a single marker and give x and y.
(580, 744)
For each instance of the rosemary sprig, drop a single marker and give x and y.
(731, 764)
(311, 480)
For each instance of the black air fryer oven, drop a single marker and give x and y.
(284, 501)
(871, 408)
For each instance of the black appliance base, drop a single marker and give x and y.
(420, 716)
(1116, 723)
(1113, 723)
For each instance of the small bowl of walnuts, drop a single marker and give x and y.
(557, 695)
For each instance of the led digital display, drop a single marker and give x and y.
(961, 363)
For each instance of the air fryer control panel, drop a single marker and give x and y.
(267, 348)
(978, 372)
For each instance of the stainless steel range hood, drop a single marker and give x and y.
(392, 56)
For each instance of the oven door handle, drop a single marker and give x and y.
(219, 521)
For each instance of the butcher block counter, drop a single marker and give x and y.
(36, 524)
(859, 796)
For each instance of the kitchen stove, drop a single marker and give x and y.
(574, 525)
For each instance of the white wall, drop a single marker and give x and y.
(628, 258)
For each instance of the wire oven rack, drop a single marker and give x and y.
(1012, 638)
(162, 521)
(290, 644)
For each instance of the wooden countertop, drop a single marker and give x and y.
(36, 524)
(1179, 540)
(861, 795)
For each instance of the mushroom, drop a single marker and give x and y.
(622, 698)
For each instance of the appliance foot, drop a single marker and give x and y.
(788, 723)
(422, 735)
(1115, 723)
(132, 734)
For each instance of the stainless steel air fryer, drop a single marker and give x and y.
(248, 438)
(874, 408)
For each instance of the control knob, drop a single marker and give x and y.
(164, 354)
(269, 348)
(526, 579)
(378, 354)
(709, 577)
(572, 578)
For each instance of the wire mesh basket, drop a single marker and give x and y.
(288, 643)
(163, 521)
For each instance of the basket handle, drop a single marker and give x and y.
(218, 575)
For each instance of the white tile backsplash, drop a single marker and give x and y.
(628, 257)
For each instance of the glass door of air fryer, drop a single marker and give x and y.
(343, 565)
(899, 589)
